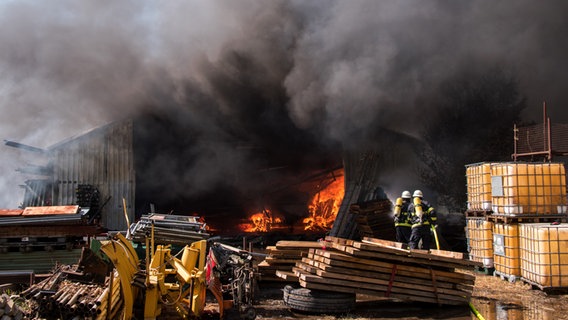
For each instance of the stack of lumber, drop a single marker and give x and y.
(282, 258)
(374, 219)
(382, 268)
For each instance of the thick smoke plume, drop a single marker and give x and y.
(253, 80)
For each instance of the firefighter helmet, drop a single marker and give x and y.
(417, 193)
(406, 194)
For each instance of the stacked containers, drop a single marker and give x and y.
(544, 254)
(519, 192)
(524, 191)
(478, 229)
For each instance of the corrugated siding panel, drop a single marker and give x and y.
(102, 158)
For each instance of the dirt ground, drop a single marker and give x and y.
(494, 298)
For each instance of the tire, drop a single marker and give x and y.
(318, 301)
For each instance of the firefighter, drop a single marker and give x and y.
(402, 222)
(423, 218)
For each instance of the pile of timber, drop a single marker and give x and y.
(9, 310)
(382, 268)
(374, 219)
(57, 296)
(282, 257)
(169, 229)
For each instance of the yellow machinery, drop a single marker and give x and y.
(168, 281)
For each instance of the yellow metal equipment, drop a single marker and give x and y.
(169, 281)
(186, 293)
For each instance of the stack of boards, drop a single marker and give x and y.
(283, 257)
(374, 219)
(382, 268)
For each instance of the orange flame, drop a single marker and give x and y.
(262, 221)
(324, 206)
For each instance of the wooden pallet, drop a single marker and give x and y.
(485, 270)
(527, 218)
(478, 213)
(546, 289)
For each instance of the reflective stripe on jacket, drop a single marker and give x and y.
(404, 218)
(428, 218)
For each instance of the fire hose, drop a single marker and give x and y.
(475, 312)
(436, 236)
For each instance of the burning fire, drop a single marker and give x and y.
(262, 221)
(325, 205)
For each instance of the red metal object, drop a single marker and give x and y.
(37, 211)
(11, 212)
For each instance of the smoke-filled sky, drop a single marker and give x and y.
(327, 69)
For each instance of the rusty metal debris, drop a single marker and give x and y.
(169, 229)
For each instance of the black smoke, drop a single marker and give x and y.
(230, 89)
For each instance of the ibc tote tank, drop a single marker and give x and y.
(478, 178)
(544, 254)
(480, 241)
(528, 188)
(506, 250)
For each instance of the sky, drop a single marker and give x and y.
(331, 69)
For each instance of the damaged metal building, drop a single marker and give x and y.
(93, 170)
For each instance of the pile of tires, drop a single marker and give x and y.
(318, 301)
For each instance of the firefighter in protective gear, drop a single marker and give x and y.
(423, 218)
(402, 223)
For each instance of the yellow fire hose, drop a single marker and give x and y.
(471, 306)
(475, 312)
(436, 237)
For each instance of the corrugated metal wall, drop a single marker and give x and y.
(103, 158)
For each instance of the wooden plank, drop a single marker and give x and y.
(427, 287)
(287, 275)
(448, 254)
(291, 253)
(424, 277)
(385, 274)
(271, 261)
(343, 260)
(398, 258)
(395, 296)
(386, 243)
(301, 266)
(379, 288)
(438, 255)
(287, 244)
(456, 262)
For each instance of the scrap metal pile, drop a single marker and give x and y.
(169, 229)
(231, 278)
(62, 296)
